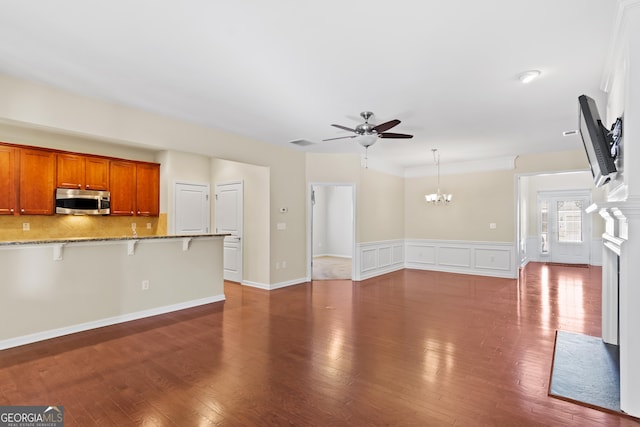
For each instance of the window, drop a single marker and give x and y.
(569, 217)
(544, 226)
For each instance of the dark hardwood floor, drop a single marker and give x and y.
(409, 348)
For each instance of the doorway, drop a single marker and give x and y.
(332, 231)
(229, 213)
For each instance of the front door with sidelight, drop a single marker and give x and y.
(564, 227)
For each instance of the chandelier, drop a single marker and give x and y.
(438, 198)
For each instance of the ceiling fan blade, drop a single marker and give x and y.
(395, 135)
(387, 125)
(340, 137)
(343, 127)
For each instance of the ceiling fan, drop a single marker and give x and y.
(369, 133)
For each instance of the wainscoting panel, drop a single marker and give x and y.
(377, 258)
(494, 259)
(421, 253)
(454, 256)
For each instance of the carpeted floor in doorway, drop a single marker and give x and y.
(331, 268)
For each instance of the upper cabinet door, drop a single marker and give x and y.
(82, 172)
(122, 182)
(37, 181)
(8, 181)
(70, 171)
(96, 173)
(148, 189)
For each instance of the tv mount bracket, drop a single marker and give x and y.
(614, 136)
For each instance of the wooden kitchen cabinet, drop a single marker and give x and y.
(147, 189)
(122, 185)
(8, 180)
(82, 172)
(135, 188)
(37, 181)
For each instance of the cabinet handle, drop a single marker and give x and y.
(87, 186)
(11, 210)
(22, 210)
(138, 212)
(79, 185)
(131, 212)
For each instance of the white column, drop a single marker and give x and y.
(628, 215)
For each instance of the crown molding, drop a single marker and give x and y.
(486, 165)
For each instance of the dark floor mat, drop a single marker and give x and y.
(586, 371)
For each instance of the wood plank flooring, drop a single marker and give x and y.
(408, 348)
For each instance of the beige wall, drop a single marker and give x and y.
(256, 230)
(388, 207)
(478, 199)
(179, 167)
(64, 112)
(98, 283)
(43, 137)
(379, 196)
(380, 210)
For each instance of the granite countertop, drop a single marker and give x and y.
(106, 239)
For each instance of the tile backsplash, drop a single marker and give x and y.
(43, 227)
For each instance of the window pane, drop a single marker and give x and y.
(544, 226)
(569, 221)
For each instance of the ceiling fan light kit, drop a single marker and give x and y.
(367, 134)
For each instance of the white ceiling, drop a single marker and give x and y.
(283, 70)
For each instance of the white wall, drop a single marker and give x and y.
(622, 81)
(333, 221)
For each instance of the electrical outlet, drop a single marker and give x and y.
(284, 264)
(148, 226)
(277, 265)
(26, 226)
(145, 285)
(133, 225)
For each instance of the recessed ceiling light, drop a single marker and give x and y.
(528, 76)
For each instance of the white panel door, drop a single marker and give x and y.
(192, 209)
(228, 219)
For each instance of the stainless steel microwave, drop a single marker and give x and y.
(82, 202)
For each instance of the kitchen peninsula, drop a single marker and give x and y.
(56, 287)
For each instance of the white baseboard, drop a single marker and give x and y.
(274, 285)
(333, 256)
(53, 333)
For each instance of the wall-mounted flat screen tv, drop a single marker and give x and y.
(597, 142)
